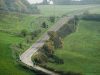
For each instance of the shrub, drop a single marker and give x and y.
(58, 43)
(39, 58)
(48, 48)
(24, 33)
(94, 17)
(52, 19)
(44, 25)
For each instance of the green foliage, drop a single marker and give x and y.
(57, 41)
(39, 58)
(48, 48)
(24, 33)
(81, 50)
(93, 17)
(64, 2)
(44, 25)
(45, 2)
(28, 39)
(52, 19)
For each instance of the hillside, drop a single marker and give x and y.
(81, 51)
(18, 6)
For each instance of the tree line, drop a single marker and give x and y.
(68, 2)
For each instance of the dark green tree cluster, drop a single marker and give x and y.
(39, 58)
(48, 48)
(88, 16)
(64, 2)
(47, 51)
(44, 25)
(29, 35)
(56, 39)
(52, 19)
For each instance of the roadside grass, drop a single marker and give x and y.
(8, 65)
(95, 11)
(81, 52)
(15, 23)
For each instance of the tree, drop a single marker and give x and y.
(64, 2)
(28, 39)
(20, 45)
(48, 48)
(52, 19)
(58, 43)
(45, 2)
(24, 33)
(39, 58)
(44, 25)
(76, 19)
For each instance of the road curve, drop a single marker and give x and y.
(26, 56)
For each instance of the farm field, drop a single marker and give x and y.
(81, 52)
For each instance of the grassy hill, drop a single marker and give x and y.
(81, 52)
(8, 65)
(14, 23)
(18, 6)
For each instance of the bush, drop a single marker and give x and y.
(35, 33)
(94, 17)
(52, 19)
(28, 39)
(39, 58)
(44, 25)
(57, 41)
(24, 33)
(48, 48)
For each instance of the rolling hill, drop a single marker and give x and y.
(18, 6)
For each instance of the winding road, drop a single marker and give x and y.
(26, 56)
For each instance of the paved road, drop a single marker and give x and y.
(26, 56)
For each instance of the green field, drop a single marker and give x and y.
(8, 65)
(59, 10)
(95, 11)
(14, 23)
(81, 52)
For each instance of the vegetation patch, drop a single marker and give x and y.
(81, 50)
